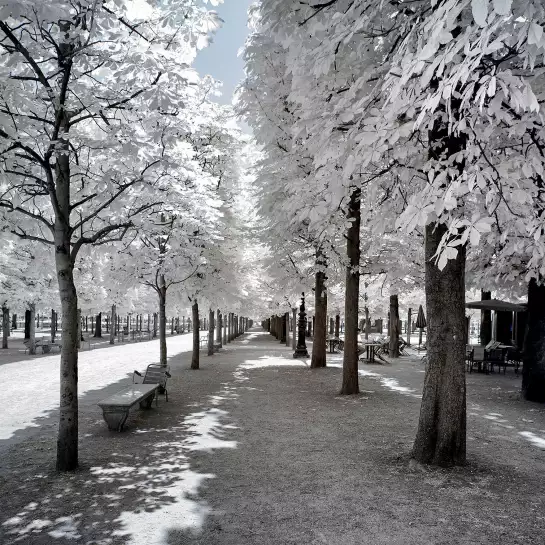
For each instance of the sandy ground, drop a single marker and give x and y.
(255, 448)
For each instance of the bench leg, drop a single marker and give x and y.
(146, 403)
(115, 420)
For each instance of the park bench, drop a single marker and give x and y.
(156, 374)
(116, 408)
(44, 343)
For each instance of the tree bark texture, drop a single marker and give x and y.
(211, 329)
(32, 329)
(409, 326)
(320, 308)
(195, 353)
(5, 326)
(67, 438)
(219, 319)
(113, 321)
(287, 319)
(229, 327)
(52, 328)
(533, 368)
(162, 321)
(441, 435)
(294, 328)
(27, 324)
(350, 383)
(98, 325)
(394, 326)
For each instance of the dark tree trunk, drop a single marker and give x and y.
(195, 353)
(113, 321)
(337, 326)
(320, 306)
(5, 326)
(394, 326)
(533, 369)
(154, 325)
(294, 328)
(27, 324)
(350, 384)
(162, 322)
(219, 323)
(282, 322)
(486, 320)
(53, 331)
(409, 327)
(441, 436)
(210, 332)
(98, 325)
(67, 439)
(229, 328)
(14, 321)
(32, 332)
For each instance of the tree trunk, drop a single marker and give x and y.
(154, 325)
(441, 436)
(286, 318)
(67, 438)
(98, 326)
(53, 331)
(162, 322)
(533, 368)
(211, 330)
(219, 318)
(224, 322)
(294, 328)
(486, 320)
(14, 321)
(320, 308)
(394, 326)
(5, 326)
(229, 327)
(27, 324)
(113, 320)
(409, 326)
(195, 354)
(337, 326)
(350, 384)
(32, 329)
(80, 329)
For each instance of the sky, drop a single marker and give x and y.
(220, 59)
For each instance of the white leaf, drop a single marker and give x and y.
(480, 11)
(492, 87)
(535, 33)
(474, 237)
(519, 195)
(502, 7)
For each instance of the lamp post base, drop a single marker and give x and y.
(301, 352)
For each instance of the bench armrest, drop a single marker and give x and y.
(135, 372)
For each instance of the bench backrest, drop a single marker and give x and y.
(156, 374)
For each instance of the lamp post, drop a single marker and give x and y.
(301, 349)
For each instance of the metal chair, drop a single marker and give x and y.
(156, 374)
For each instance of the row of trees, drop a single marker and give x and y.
(412, 132)
(117, 170)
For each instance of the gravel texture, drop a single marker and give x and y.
(255, 448)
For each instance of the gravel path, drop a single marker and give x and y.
(255, 448)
